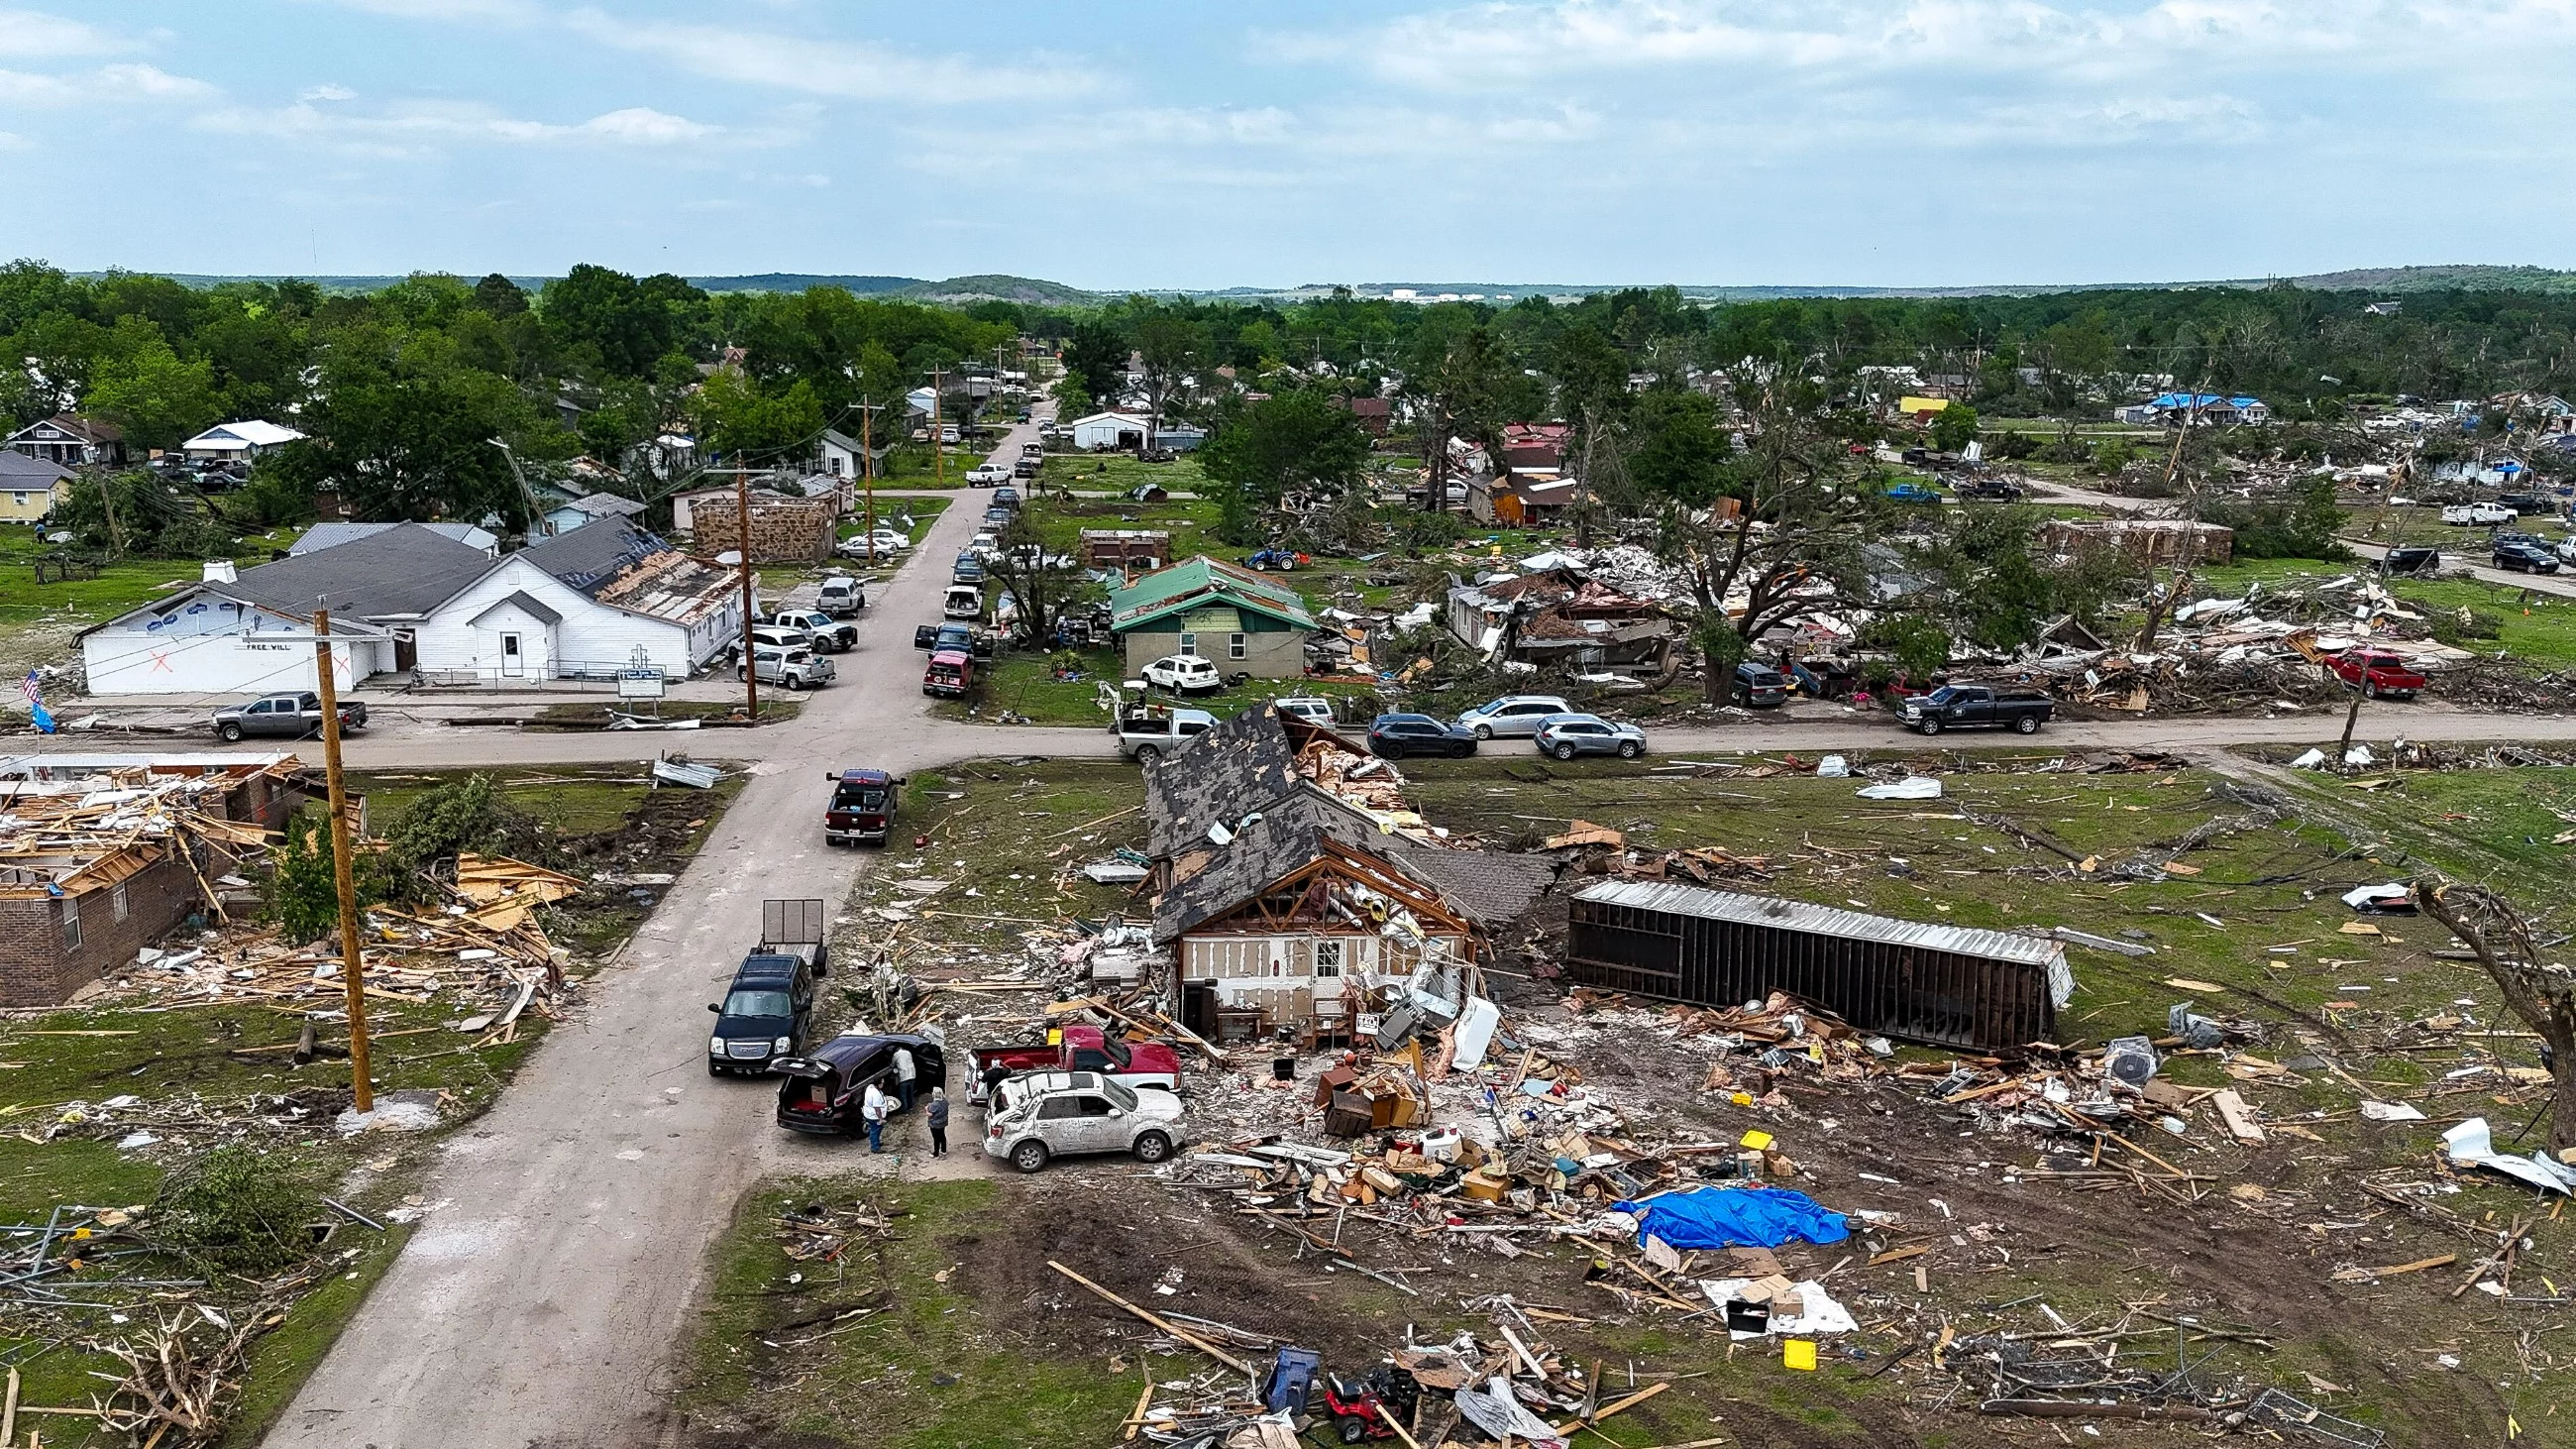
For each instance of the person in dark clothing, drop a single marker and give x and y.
(938, 1119)
(994, 1076)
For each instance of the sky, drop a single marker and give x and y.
(1190, 144)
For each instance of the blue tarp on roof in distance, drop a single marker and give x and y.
(1735, 1217)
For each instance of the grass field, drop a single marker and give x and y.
(38, 621)
(2249, 916)
(177, 1056)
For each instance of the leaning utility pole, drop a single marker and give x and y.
(868, 472)
(750, 663)
(362, 1094)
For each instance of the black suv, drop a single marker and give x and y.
(2411, 560)
(1394, 736)
(1760, 686)
(765, 1014)
(2529, 558)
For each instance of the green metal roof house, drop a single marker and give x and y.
(1245, 622)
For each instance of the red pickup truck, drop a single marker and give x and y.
(1085, 1049)
(2381, 676)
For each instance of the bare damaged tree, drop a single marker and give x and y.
(2544, 996)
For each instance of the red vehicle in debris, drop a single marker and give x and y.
(862, 808)
(2381, 676)
(950, 674)
(1079, 1048)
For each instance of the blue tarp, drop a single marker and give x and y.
(1738, 1217)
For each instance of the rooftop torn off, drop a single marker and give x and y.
(1943, 985)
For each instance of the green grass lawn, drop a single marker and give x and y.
(1022, 683)
(37, 621)
(177, 1053)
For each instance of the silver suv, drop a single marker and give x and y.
(1513, 715)
(1079, 1119)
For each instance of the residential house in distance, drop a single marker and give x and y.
(1917, 409)
(253, 631)
(588, 509)
(1245, 622)
(28, 486)
(71, 440)
(839, 455)
(238, 442)
(331, 535)
(1521, 498)
(1536, 446)
(1125, 433)
(2196, 410)
(1374, 414)
(1292, 879)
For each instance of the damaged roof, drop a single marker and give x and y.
(1199, 581)
(401, 572)
(1780, 914)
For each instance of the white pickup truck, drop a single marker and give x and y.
(988, 475)
(2477, 515)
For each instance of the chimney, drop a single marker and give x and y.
(221, 571)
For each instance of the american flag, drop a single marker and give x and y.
(44, 719)
(35, 691)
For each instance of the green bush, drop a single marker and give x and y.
(1415, 532)
(303, 895)
(2464, 625)
(237, 1209)
(468, 815)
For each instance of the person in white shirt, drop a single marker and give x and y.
(872, 1110)
(903, 1074)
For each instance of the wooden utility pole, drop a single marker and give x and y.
(750, 665)
(938, 455)
(362, 1094)
(868, 473)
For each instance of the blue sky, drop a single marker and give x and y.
(1206, 143)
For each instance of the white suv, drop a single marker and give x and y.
(1512, 716)
(1182, 673)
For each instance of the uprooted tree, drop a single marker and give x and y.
(2543, 995)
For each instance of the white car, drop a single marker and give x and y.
(985, 545)
(989, 475)
(1183, 673)
(885, 540)
(2477, 515)
(1514, 715)
(1311, 709)
(1073, 1120)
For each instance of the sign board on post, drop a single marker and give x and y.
(639, 684)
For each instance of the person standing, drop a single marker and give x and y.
(872, 1110)
(903, 1072)
(938, 1121)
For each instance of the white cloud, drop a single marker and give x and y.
(327, 93)
(829, 67)
(109, 85)
(418, 127)
(33, 35)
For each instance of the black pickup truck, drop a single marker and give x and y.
(965, 637)
(1975, 706)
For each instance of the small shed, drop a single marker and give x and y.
(1951, 986)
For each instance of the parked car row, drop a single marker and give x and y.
(1559, 733)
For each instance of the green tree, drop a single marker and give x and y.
(1097, 354)
(737, 419)
(622, 325)
(1261, 452)
(406, 432)
(1954, 427)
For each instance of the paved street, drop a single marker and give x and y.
(541, 1305)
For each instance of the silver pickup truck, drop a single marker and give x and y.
(1147, 732)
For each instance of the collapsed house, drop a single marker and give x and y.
(1521, 498)
(1297, 890)
(1562, 617)
(2150, 541)
(101, 855)
(1944, 985)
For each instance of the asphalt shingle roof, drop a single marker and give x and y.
(1204, 580)
(406, 570)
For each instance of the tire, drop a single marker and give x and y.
(1630, 749)
(1029, 1156)
(2370, 689)
(1350, 1429)
(740, 674)
(1390, 752)
(1931, 724)
(229, 733)
(1462, 751)
(1484, 732)
(795, 684)
(1153, 1147)
(2028, 724)
(1563, 752)
(1148, 754)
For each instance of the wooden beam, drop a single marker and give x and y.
(1194, 1341)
